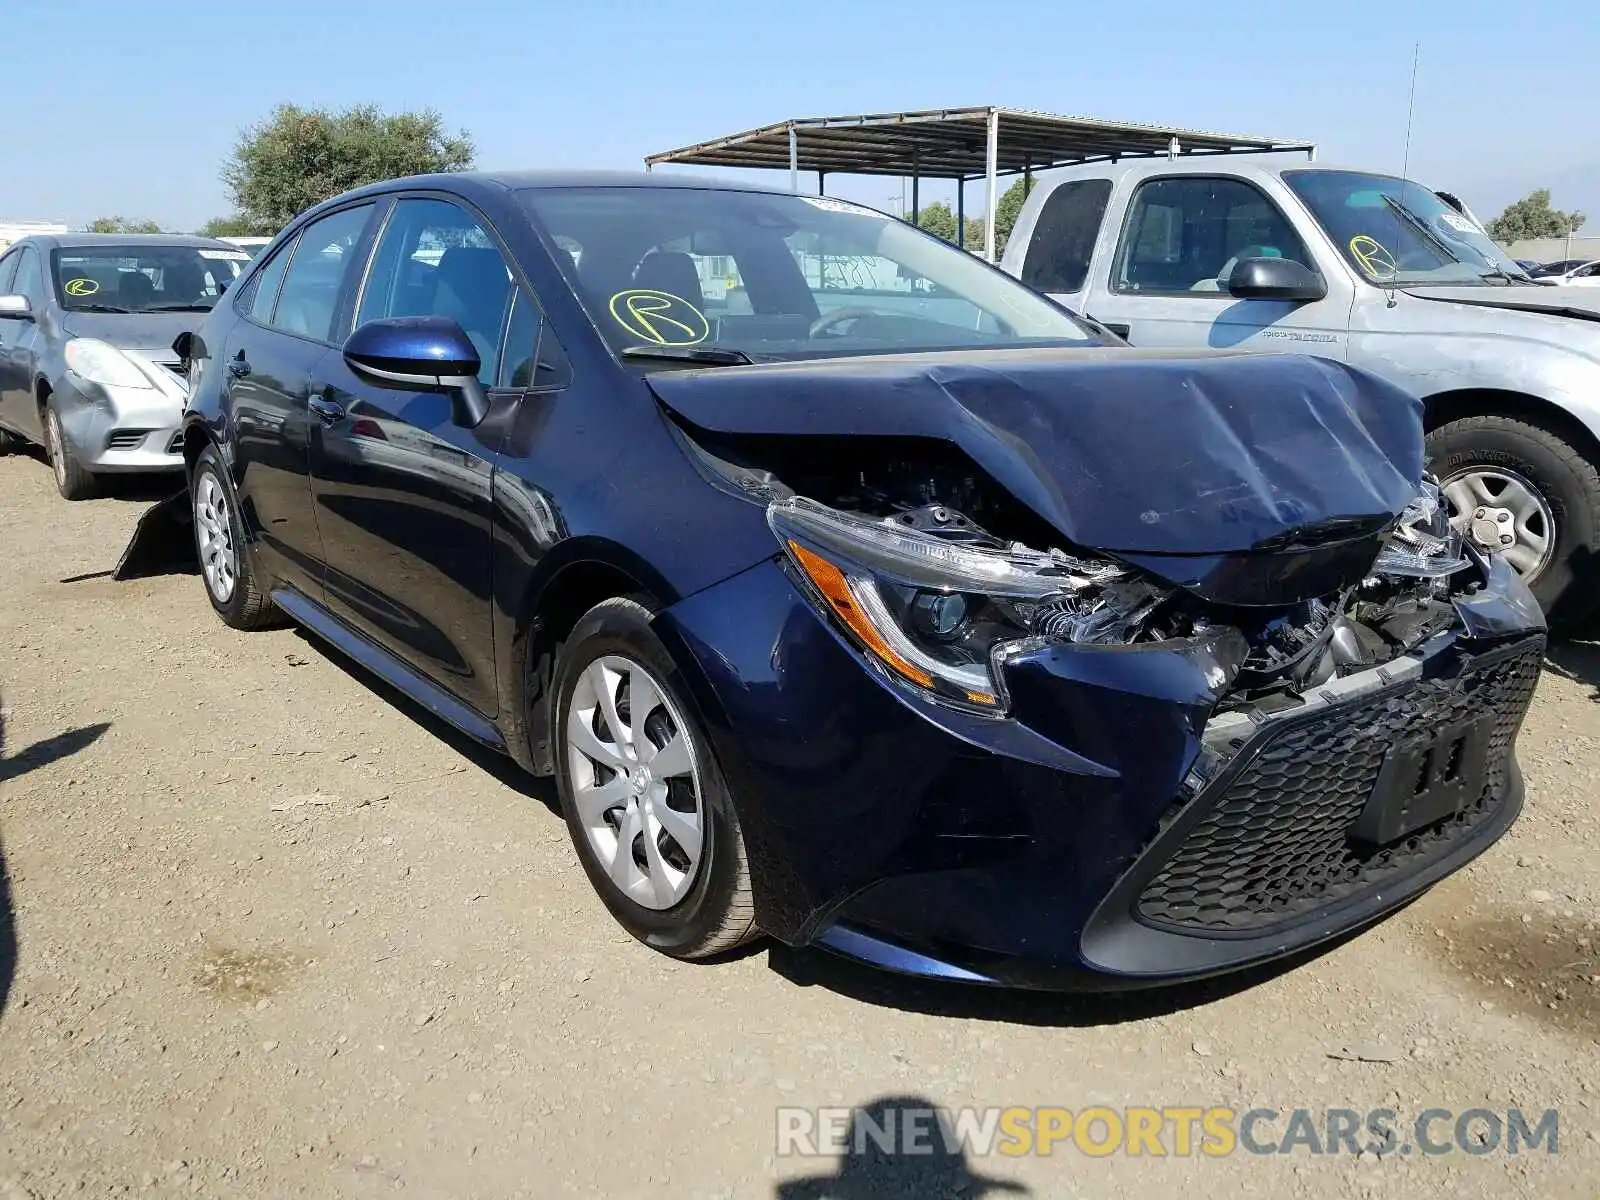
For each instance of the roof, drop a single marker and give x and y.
(84, 241)
(952, 143)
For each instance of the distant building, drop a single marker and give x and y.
(11, 231)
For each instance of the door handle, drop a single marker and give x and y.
(329, 411)
(239, 366)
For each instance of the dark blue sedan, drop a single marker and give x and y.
(855, 593)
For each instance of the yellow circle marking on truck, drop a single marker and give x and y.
(1373, 256)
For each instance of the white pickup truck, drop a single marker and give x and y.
(1372, 269)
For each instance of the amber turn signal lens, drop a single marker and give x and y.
(835, 589)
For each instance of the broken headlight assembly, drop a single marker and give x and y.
(934, 600)
(1424, 544)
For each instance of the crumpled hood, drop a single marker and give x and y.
(134, 331)
(1133, 451)
(1582, 304)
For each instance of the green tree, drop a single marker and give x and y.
(234, 226)
(1006, 210)
(938, 220)
(123, 225)
(1532, 217)
(974, 238)
(298, 157)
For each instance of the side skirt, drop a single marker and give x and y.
(387, 667)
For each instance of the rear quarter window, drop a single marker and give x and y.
(1064, 235)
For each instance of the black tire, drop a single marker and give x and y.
(717, 912)
(246, 606)
(73, 480)
(1568, 587)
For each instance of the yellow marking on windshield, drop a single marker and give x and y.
(82, 287)
(1373, 256)
(660, 317)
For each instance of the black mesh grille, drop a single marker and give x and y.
(1274, 843)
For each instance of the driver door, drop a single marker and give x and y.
(1168, 279)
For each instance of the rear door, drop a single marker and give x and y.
(1168, 275)
(288, 309)
(402, 492)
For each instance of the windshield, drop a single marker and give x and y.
(1394, 231)
(143, 278)
(778, 276)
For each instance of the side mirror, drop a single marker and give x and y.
(424, 354)
(183, 346)
(16, 308)
(1275, 279)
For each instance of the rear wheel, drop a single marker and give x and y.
(230, 577)
(73, 479)
(645, 801)
(1522, 491)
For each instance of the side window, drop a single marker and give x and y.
(8, 268)
(531, 356)
(1064, 236)
(435, 260)
(29, 282)
(1185, 235)
(260, 295)
(322, 257)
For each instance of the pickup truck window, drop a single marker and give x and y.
(1393, 231)
(1064, 235)
(1185, 233)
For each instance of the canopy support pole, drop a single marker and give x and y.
(794, 159)
(961, 212)
(916, 181)
(991, 168)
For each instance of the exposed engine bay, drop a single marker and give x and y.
(1092, 598)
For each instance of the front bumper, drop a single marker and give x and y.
(118, 429)
(1075, 844)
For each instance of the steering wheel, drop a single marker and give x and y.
(838, 317)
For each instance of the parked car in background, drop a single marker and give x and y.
(87, 368)
(1528, 266)
(1372, 270)
(927, 625)
(1583, 275)
(250, 245)
(1549, 270)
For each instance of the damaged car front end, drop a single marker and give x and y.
(1097, 669)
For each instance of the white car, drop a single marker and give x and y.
(250, 245)
(1587, 275)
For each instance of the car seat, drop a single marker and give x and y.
(472, 289)
(673, 272)
(135, 291)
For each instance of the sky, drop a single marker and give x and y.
(136, 105)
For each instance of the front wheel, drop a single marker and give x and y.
(1523, 491)
(73, 479)
(645, 801)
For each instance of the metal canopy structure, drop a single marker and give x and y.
(962, 144)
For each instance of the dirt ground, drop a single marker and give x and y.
(270, 933)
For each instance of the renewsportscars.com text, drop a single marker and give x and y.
(1214, 1132)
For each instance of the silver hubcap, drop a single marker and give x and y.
(1502, 512)
(635, 782)
(214, 535)
(58, 457)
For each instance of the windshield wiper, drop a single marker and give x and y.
(185, 307)
(1502, 273)
(98, 308)
(1421, 227)
(716, 356)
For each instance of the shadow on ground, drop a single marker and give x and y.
(1577, 661)
(893, 1148)
(806, 967)
(11, 767)
(137, 488)
(491, 762)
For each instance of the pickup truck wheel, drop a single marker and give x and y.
(1526, 493)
